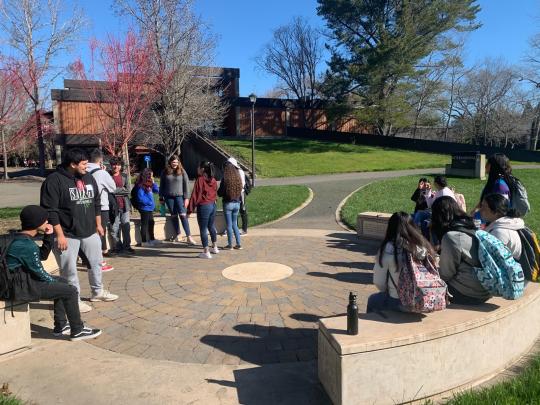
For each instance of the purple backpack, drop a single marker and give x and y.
(420, 288)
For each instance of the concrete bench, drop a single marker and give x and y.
(372, 225)
(406, 357)
(14, 329)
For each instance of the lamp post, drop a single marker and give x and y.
(253, 99)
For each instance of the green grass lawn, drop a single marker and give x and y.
(394, 195)
(293, 157)
(9, 400)
(265, 204)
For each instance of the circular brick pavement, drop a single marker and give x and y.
(177, 307)
(257, 272)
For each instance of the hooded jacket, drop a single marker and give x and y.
(72, 201)
(204, 192)
(104, 181)
(380, 272)
(505, 229)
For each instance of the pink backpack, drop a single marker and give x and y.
(420, 288)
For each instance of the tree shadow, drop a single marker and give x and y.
(349, 277)
(351, 242)
(351, 265)
(485, 307)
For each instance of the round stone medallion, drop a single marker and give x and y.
(257, 272)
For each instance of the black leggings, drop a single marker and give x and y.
(147, 226)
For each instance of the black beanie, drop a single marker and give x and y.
(32, 217)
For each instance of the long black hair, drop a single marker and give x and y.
(402, 232)
(499, 167)
(447, 215)
(208, 168)
(500, 205)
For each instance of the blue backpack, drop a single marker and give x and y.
(501, 275)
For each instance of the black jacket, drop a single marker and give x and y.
(75, 209)
(420, 200)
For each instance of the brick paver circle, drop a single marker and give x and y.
(257, 272)
(177, 307)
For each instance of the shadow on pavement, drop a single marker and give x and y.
(351, 265)
(351, 242)
(352, 277)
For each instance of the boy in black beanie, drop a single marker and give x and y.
(24, 255)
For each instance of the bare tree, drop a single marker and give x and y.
(293, 55)
(190, 99)
(37, 34)
(483, 91)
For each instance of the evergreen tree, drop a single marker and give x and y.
(376, 44)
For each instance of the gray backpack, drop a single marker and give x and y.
(518, 198)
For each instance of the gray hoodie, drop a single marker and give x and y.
(459, 254)
(505, 229)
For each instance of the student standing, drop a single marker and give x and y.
(246, 188)
(173, 190)
(71, 197)
(120, 228)
(230, 189)
(203, 200)
(145, 189)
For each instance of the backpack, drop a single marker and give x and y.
(18, 285)
(530, 254)
(134, 197)
(420, 288)
(519, 200)
(501, 275)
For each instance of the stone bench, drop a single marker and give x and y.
(372, 225)
(404, 357)
(14, 329)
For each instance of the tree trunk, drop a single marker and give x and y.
(534, 139)
(41, 143)
(126, 162)
(4, 151)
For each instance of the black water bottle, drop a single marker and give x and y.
(352, 315)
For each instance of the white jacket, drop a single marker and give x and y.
(440, 193)
(505, 229)
(104, 181)
(380, 272)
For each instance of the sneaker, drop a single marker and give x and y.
(205, 255)
(84, 307)
(190, 240)
(66, 330)
(147, 244)
(106, 267)
(104, 296)
(110, 253)
(129, 250)
(86, 333)
(214, 250)
(228, 247)
(238, 247)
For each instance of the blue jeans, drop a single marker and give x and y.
(121, 225)
(231, 210)
(421, 219)
(382, 301)
(205, 217)
(176, 208)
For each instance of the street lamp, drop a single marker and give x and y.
(253, 99)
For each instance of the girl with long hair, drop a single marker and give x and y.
(459, 252)
(146, 205)
(500, 179)
(230, 189)
(203, 200)
(401, 234)
(174, 192)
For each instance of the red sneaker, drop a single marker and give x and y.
(106, 267)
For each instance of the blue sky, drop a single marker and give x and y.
(243, 26)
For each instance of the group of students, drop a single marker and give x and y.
(173, 192)
(450, 241)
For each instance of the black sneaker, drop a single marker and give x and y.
(86, 333)
(129, 250)
(66, 330)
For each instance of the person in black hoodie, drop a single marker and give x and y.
(71, 197)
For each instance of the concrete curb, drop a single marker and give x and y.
(291, 213)
(342, 203)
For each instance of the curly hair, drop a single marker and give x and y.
(233, 182)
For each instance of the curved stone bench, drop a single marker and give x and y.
(397, 358)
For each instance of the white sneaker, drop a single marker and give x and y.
(190, 240)
(214, 250)
(104, 296)
(205, 255)
(84, 307)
